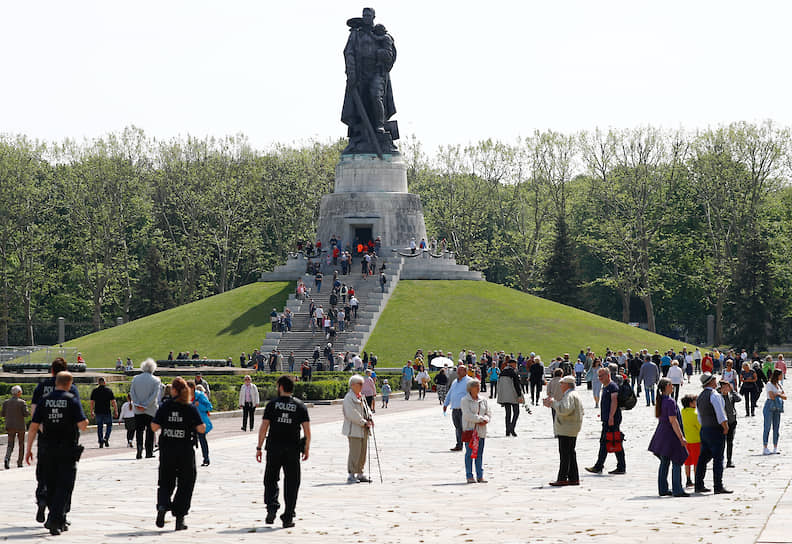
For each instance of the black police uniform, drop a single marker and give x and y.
(58, 450)
(286, 416)
(176, 457)
(43, 389)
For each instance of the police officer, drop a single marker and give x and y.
(280, 425)
(61, 417)
(43, 389)
(178, 420)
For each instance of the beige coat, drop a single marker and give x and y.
(554, 387)
(356, 413)
(569, 414)
(474, 412)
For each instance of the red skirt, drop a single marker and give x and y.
(693, 454)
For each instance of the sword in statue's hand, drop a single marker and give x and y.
(366, 121)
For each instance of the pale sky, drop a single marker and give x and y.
(466, 70)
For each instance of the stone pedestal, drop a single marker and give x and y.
(371, 200)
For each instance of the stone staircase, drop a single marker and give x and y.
(302, 341)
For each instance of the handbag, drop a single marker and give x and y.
(613, 441)
(777, 405)
(467, 436)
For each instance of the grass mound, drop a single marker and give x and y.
(217, 327)
(477, 315)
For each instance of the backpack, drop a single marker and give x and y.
(626, 398)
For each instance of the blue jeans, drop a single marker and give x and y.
(101, 421)
(204, 446)
(649, 392)
(479, 460)
(770, 418)
(676, 477)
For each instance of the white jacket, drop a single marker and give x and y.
(356, 413)
(474, 413)
(254, 394)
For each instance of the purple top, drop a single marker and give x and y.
(665, 442)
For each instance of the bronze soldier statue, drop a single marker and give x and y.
(368, 102)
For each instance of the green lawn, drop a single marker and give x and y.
(218, 327)
(477, 315)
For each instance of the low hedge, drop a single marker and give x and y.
(41, 367)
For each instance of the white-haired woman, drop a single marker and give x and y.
(475, 416)
(145, 390)
(357, 422)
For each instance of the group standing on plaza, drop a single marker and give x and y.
(697, 436)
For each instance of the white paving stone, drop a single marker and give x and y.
(424, 497)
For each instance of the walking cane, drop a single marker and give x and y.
(376, 450)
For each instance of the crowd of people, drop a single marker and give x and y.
(697, 436)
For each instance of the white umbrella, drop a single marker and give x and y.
(440, 362)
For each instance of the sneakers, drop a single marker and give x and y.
(352, 479)
(767, 452)
(160, 518)
(363, 479)
(471, 480)
(723, 491)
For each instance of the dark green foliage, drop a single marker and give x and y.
(560, 277)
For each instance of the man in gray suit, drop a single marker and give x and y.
(649, 376)
(145, 392)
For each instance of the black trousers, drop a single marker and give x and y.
(176, 471)
(143, 426)
(568, 468)
(512, 413)
(730, 442)
(493, 389)
(456, 417)
(621, 463)
(289, 461)
(248, 412)
(536, 391)
(58, 470)
(41, 482)
(712, 445)
(751, 398)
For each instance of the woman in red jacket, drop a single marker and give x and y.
(706, 363)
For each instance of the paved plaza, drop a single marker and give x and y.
(424, 497)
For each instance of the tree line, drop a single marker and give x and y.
(642, 225)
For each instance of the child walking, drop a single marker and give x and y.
(692, 429)
(386, 391)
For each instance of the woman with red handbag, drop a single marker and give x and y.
(475, 417)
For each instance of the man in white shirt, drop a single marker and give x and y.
(675, 374)
(357, 362)
(697, 360)
(454, 397)
(714, 428)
